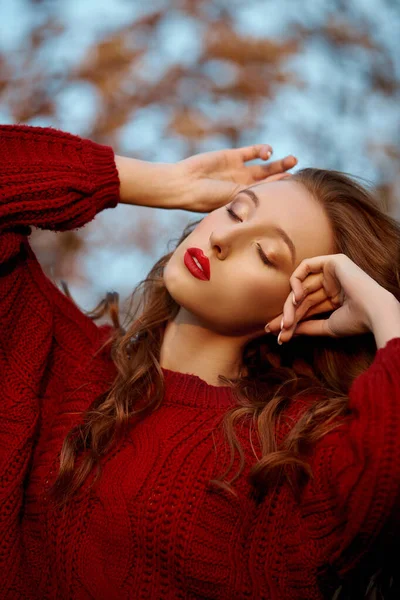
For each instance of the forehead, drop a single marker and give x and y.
(289, 205)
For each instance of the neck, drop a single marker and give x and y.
(189, 347)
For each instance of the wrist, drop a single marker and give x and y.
(143, 183)
(384, 318)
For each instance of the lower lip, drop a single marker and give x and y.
(193, 268)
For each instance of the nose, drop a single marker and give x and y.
(221, 243)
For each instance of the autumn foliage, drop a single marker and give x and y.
(231, 85)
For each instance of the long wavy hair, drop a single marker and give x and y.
(321, 368)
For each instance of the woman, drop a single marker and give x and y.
(193, 456)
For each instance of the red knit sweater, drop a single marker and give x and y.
(152, 528)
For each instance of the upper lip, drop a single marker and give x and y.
(202, 258)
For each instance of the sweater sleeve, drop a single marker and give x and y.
(58, 181)
(366, 462)
(52, 180)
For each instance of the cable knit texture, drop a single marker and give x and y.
(153, 527)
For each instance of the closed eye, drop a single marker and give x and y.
(264, 257)
(233, 215)
(262, 254)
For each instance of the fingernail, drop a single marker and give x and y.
(282, 323)
(267, 329)
(279, 339)
(269, 154)
(294, 299)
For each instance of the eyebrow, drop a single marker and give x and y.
(278, 230)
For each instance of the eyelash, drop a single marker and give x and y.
(263, 256)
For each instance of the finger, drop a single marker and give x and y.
(313, 293)
(322, 307)
(314, 303)
(311, 301)
(289, 312)
(313, 284)
(263, 151)
(274, 326)
(318, 327)
(259, 172)
(318, 264)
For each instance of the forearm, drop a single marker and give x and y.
(384, 317)
(144, 183)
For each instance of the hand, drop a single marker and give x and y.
(334, 284)
(212, 179)
(200, 183)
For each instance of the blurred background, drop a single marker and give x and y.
(164, 79)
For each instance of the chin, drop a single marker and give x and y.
(180, 284)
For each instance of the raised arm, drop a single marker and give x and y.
(52, 180)
(55, 180)
(363, 470)
(48, 179)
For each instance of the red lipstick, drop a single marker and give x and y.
(197, 263)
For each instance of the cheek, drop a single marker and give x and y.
(257, 298)
(242, 300)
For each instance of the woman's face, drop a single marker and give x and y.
(252, 252)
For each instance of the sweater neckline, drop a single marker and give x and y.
(186, 389)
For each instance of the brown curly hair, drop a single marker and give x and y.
(321, 368)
